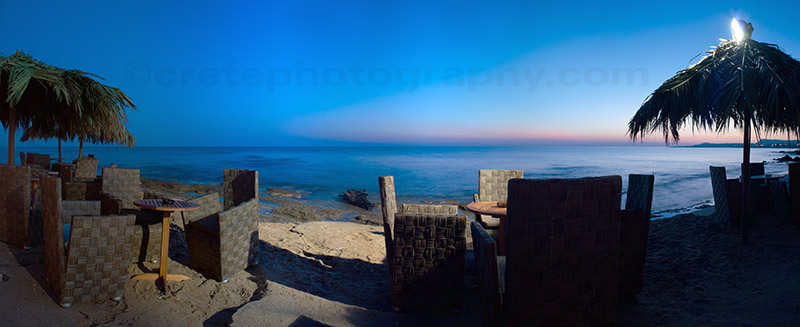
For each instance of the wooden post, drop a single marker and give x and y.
(12, 125)
(746, 176)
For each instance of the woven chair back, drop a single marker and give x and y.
(95, 264)
(493, 183)
(718, 185)
(15, 206)
(209, 205)
(433, 209)
(428, 256)
(562, 252)
(239, 185)
(123, 184)
(86, 167)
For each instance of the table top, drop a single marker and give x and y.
(157, 204)
(486, 208)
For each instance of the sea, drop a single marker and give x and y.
(432, 173)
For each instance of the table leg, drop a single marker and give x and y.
(162, 275)
(501, 248)
(162, 265)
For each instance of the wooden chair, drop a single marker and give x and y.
(633, 233)
(222, 242)
(15, 206)
(93, 265)
(563, 247)
(493, 186)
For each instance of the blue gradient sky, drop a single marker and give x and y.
(342, 72)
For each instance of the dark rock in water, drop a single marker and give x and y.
(787, 158)
(357, 198)
(4, 277)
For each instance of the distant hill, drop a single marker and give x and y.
(764, 143)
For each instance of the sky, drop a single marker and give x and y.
(300, 72)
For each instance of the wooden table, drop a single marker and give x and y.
(166, 209)
(490, 208)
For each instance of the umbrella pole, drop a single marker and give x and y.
(80, 148)
(746, 177)
(12, 125)
(59, 151)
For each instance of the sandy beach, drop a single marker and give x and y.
(319, 266)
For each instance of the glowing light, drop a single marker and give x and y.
(737, 30)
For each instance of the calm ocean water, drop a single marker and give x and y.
(432, 173)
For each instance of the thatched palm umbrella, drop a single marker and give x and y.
(29, 88)
(741, 83)
(64, 104)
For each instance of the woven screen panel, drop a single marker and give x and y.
(15, 207)
(123, 184)
(427, 269)
(493, 183)
(86, 167)
(718, 180)
(239, 185)
(490, 294)
(562, 252)
(435, 209)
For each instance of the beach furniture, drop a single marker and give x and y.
(15, 207)
(38, 160)
(720, 187)
(493, 186)
(427, 260)
(634, 229)
(121, 187)
(93, 263)
(388, 208)
(239, 185)
(561, 267)
(222, 242)
(498, 211)
(756, 168)
(85, 169)
(164, 207)
(794, 194)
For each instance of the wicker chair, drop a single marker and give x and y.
(85, 169)
(120, 188)
(222, 243)
(493, 186)
(794, 194)
(633, 233)
(719, 186)
(239, 185)
(15, 207)
(563, 246)
(427, 261)
(93, 265)
(38, 160)
(756, 168)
